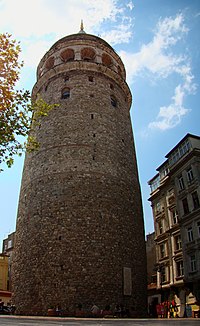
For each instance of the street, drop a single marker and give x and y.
(38, 321)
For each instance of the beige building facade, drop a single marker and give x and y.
(175, 200)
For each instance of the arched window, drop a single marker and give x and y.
(88, 54)
(113, 101)
(49, 63)
(65, 93)
(107, 60)
(67, 55)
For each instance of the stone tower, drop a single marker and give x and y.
(80, 234)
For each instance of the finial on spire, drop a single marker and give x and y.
(81, 27)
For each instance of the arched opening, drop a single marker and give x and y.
(88, 54)
(67, 55)
(107, 60)
(49, 63)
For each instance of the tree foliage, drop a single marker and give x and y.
(16, 110)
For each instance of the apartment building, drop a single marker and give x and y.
(175, 200)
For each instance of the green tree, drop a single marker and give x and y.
(16, 110)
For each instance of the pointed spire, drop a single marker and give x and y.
(82, 28)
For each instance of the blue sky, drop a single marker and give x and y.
(159, 42)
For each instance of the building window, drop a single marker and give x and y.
(163, 275)
(160, 227)
(195, 199)
(190, 234)
(190, 176)
(193, 265)
(113, 101)
(9, 244)
(174, 216)
(158, 207)
(155, 183)
(179, 268)
(181, 183)
(198, 227)
(91, 78)
(65, 93)
(66, 78)
(162, 250)
(185, 206)
(178, 244)
(177, 154)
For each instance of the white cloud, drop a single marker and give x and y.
(169, 116)
(130, 5)
(155, 57)
(36, 22)
(157, 60)
(121, 34)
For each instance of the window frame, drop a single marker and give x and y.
(185, 205)
(190, 175)
(179, 268)
(193, 263)
(65, 93)
(190, 234)
(178, 242)
(181, 182)
(195, 200)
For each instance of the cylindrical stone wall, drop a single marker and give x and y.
(80, 234)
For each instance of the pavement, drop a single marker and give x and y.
(69, 321)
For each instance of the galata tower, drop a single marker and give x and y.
(80, 231)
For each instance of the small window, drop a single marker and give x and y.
(92, 116)
(111, 86)
(66, 78)
(65, 93)
(157, 207)
(185, 206)
(190, 234)
(162, 250)
(174, 216)
(9, 244)
(181, 183)
(179, 268)
(113, 101)
(193, 265)
(178, 244)
(195, 199)
(91, 78)
(190, 175)
(160, 226)
(198, 227)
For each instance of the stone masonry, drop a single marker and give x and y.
(80, 233)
